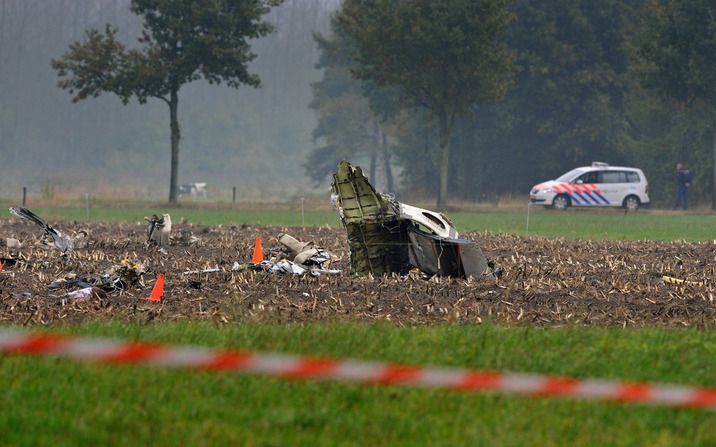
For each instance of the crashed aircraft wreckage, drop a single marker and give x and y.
(386, 236)
(62, 242)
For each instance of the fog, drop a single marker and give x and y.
(254, 139)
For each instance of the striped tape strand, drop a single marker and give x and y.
(294, 367)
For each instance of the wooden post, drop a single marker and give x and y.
(233, 196)
(24, 195)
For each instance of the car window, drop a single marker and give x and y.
(614, 177)
(632, 177)
(590, 177)
(569, 175)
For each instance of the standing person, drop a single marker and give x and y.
(683, 183)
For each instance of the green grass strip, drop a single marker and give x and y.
(573, 224)
(59, 402)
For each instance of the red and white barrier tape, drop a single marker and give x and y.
(284, 366)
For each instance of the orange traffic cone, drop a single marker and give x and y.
(158, 290)
(258, 252)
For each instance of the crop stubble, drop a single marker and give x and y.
(546, 282)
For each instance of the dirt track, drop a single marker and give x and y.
(545, 282)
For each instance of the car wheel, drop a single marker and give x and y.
(561, 202)
(632, 203)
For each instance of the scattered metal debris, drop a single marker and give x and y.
(285, 266)
(436, 255)
(80, 240)
(8, 262)
(185, 238)
(386, 236)
(306, 253)
(295, 258)
(158, 230)
(123, 276)
(70, 281)
(62, 242)
(83, 294)
(236, 267)
(194, 284)
(194, 272)
(12, 243)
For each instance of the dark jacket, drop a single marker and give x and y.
(683, 178)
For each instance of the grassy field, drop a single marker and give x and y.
(56, 402)
(603, 224)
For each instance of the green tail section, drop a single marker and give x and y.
(376, 235)
(381, 241)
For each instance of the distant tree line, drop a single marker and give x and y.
(531, 90)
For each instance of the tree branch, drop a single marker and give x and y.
(162, 98)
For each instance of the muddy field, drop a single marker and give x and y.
(546, 282)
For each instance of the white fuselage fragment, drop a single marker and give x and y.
(160, 235)
(435, 222)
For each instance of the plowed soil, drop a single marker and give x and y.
(545, 282)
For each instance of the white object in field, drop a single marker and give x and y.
(165, 230)
(12, 243)
(192, 189)
(159, 230)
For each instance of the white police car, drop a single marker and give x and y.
(599, 185)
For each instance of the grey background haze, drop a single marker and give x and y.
(255, 139)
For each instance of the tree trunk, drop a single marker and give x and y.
(389, 182)
(174, 124)
(713, 178)
(444, 158)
